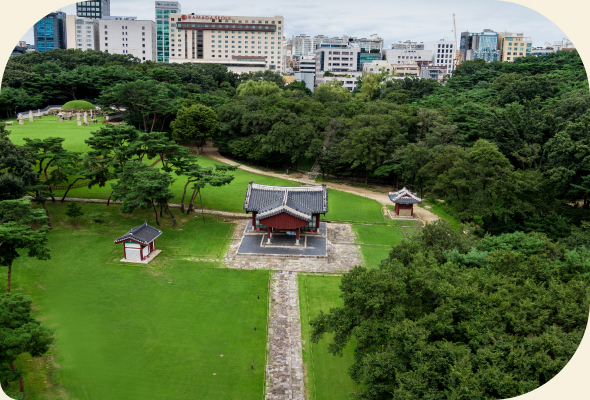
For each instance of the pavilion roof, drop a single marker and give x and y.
(300, 202)
(144, 234)
(404, 196)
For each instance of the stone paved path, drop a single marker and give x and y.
(284, 369)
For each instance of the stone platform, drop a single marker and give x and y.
(255, 243)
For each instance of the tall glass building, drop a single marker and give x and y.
(163, 11)
(50, 32)
(480, 45)
(95, 9)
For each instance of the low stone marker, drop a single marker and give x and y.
(94, 121)
(30, 116)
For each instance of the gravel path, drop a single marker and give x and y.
(425, 215)
(284, 368)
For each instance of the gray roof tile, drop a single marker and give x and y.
(303, 200)
(404, 196)
(144, 234)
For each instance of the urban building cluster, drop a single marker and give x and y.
(257, 43)
(348, 58)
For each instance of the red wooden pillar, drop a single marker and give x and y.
(397, 209)
(269, 234)
(317, 222)
(253, 220)
(412, 209)
(297, 237)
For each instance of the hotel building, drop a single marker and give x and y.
(243, 44)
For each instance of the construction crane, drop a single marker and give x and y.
(458, 55)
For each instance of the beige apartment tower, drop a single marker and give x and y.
(513, 45)
(243, 44)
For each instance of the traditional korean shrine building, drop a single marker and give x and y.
(286, 209)
(404, 201)
(139, 243)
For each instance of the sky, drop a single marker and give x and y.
(392, 20)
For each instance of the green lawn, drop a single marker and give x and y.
(172, 329)
(326, 375)
(376, 240)
(342, 206)
(50, 126)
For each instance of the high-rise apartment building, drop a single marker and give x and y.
(163, 11)
(95, 9)
(443, 54)
(50, 32)
(127, 35)
(513, 46)
(82, 33)
(482, 45)
(241, 43)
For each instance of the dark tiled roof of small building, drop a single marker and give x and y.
(301, 202)
(144, 234)
(404, 196)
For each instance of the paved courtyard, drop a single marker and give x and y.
(342, 254)
(282, 244)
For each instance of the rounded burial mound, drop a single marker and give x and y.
(78, 105)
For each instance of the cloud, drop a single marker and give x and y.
(394, 20)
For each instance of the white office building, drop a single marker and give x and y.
(443, 53)
(81, 33)
(338, 61)
(127, 35)
(408, 53)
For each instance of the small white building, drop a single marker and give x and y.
(127, 35)
(139, 244)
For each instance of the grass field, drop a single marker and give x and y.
(172, 329)
(326, 375)
(342, 206)
(50, 126)
(376, 240)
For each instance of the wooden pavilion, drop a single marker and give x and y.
(286, 209)
(139, 242)
(404, 201)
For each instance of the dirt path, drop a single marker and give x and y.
(381, 197)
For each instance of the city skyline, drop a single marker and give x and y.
(403, 22)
